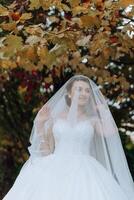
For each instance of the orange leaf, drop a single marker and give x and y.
(74, 3)
(31, 53)
(15, 16)
(106, 52)
(79, 9)
(125, 3)
(90, 21)
(8, 64)
(8, 26)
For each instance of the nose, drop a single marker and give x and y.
(82, 95)
(82, 92)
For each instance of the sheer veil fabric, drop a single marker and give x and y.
(106, 145)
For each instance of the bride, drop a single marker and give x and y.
(75, 152)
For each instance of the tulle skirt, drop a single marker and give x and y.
(65, 177)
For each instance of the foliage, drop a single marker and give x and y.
(38, 33)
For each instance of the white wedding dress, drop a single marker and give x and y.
(69, 173)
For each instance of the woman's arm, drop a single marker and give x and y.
(51, 140)
(47, 144)
(96, 124)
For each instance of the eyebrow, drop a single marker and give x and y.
(85, 88)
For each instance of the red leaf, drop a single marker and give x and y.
(113, 39)
(15, 16)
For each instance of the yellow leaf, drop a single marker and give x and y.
(34, 4)
(26, 63)
(34, 30)
(65, 7)
(79, 9)
(64, 42)
(70, 44)
(83, 41)
(51, 59)
(25, 16)
(108, 4)
(46, 57)
(3, 11)
(12, 5)
(7, 51)
(42, 53)
(48, 79)
(46, 4)
(14, 42)
(33, 39)
(22, 90)
(54, 19)
(1, 41)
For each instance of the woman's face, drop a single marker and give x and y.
(84, 92)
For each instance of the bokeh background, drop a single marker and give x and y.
(42, 44)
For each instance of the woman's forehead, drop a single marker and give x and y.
(81, 84)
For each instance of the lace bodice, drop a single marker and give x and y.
(72, 140)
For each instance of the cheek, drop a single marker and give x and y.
(88, 97)
(73, 92)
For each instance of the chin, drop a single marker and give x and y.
(82, 104)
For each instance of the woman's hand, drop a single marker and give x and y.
(44, 114)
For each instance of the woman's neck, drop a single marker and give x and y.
(81, 111)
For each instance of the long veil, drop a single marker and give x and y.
(106, 144)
